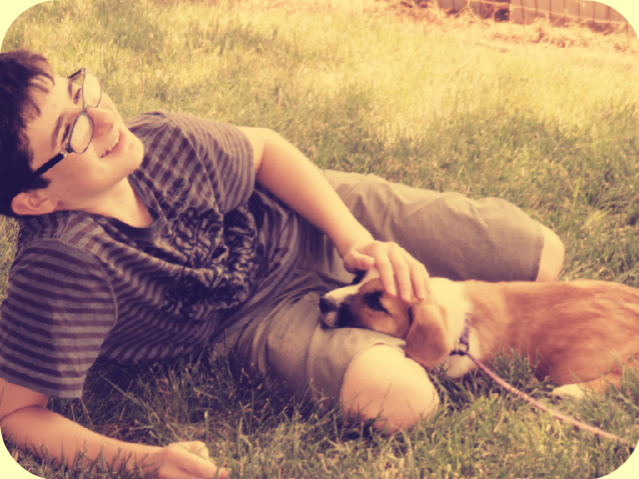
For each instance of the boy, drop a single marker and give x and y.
(150, 238)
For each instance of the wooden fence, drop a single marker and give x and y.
(557, 11)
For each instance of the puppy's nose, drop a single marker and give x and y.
(326, 305)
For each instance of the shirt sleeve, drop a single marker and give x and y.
(58, 310)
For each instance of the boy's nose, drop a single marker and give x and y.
(103, 119)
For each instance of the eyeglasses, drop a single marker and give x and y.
(81, 133)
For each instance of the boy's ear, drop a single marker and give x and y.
(33, 203)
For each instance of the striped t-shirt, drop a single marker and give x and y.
(85, 286)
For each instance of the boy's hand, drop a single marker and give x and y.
(397, 268)
(186, 460)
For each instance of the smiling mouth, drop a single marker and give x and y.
(115, 143)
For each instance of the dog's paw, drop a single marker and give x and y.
(568, 391)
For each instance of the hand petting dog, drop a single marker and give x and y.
(397, 269)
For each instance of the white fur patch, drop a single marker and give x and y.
(568, 391)
(451, 296)
(338, 295)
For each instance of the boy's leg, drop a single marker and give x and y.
(454, 236)
(365, 372)
(384, 385)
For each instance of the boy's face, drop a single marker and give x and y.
(89, 180)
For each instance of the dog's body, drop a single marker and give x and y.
(574, 332)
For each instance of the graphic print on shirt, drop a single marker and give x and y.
(220, 262)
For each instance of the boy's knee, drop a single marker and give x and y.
(383, 385)
(552, 257)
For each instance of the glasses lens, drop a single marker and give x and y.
(81, 134)
(91, 90)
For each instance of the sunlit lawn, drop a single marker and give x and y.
(439, 105)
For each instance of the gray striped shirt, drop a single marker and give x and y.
(85, 286)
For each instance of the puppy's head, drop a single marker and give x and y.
(366, 305)
(335, 305)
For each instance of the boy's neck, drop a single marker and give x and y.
(126, 206)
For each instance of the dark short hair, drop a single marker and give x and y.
(20, 72)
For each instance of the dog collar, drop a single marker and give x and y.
(462, 346)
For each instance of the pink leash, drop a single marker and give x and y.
(462, 349)
(542, 406)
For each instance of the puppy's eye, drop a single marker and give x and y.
(373, 301)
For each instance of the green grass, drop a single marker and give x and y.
(437, 105)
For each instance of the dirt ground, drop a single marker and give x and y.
(504, 33)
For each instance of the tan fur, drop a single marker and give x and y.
(574, 332)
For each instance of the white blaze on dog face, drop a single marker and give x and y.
(332, 304)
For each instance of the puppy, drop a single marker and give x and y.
(581, 333)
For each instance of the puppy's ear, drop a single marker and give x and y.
(426, 338)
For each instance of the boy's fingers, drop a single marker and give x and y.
(399, 272)
(190, 460)
(402, 273)
(420, 278)
(387, 275)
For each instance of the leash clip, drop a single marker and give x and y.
(462, 346)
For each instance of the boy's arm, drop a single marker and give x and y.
(25, 419)
(289, 175)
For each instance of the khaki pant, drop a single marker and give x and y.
(454, 236)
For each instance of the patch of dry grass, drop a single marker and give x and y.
(466, 23)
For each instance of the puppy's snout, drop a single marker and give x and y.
(328, 308)
(326, 305)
